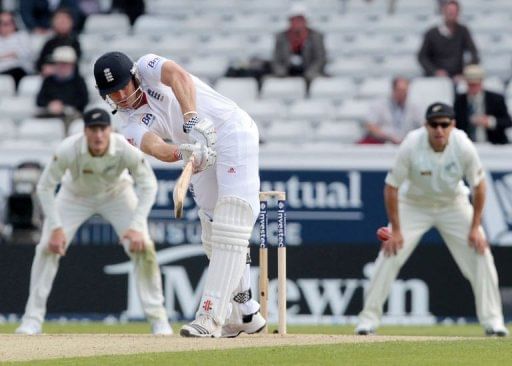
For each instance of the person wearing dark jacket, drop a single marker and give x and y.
(64, 93)
(482, 114)
(299, 50)
(443, 48)
(62, 24)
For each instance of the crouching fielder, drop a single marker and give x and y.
(96, 164)
(159, 101)
(432, 161)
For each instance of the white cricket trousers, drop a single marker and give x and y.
(116, 207)
(235, 174)
(453, 222)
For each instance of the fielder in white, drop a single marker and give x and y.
(160, 102)
(429, 168)
(93, 168)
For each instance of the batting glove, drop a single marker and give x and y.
(201, 130)
(203, 156)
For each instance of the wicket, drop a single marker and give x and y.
(281, 257)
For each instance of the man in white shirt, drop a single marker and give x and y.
(159, 101)
(92, 168)
(429, 170)
(390, 119)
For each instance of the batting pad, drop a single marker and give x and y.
(206, 232)
(231, 230)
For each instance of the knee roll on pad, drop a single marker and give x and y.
(232, 223)
(206, 232)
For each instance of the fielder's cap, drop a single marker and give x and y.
(112, 72)
(297, 10)
(439, 109)
(474, 73)
(96, 117)
(64, 54)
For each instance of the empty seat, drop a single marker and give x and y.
(353, 109)
(107, 24)
(356, 68)
(264, 111)
(223, 45)
(375, 87)
(288, 131)
(238, 89)
(18, 108)
(407, 66)
(156, 26)
(76, 126)
(43, 129)
(134, 46)
(426, 90)
(499, 66)
(348, 131)
(30, 86)
(286, 89)
(208, 68)
(314, 110)
(7, 88)
(335, 88)
(8, 128)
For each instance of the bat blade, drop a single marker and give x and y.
(180, 189)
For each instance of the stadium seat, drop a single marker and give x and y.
(356, 67)
(30, 86)
(208, 68)
(353, 109)
(427, 90)
(391, 25)
(7, 88)
(348, 131)
(134, 46)
(375, 87)
(77, 126)
(313, 110)
(181, 47)
(499, 66)
(18, 108)
(107, 24)
(288, 131)
(286, 89)
(406, 66)
(232, 45)
(156, 26)
(335, 88)
(264, 111)
(8, 128)
(238, 89)
(42, 129)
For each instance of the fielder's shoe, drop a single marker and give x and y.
(29, 327)
(365, 329)
(251, 324)
(499, 331)
(203, 327)
(161, 327)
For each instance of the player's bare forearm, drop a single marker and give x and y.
(391, 202)
(478, 203)
(154, 145)
(179, 80)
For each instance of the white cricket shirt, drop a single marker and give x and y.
(431, 177)
(85, 175)
(162, 113)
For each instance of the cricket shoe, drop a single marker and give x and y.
(365, 329)
(499, 331)
(251, 324)
(161, 327)
(29, 327)
(203, 327)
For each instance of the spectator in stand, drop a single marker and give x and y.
(133, 8)
(62, 25)
(390, 119)
(16, 57)
(37, 14)
(482, 114)
(443, 48)
(64, 93)
(299, 50)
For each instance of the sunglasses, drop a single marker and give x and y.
(435, 125)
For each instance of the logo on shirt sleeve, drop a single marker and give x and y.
(148, 119)
(152, 63)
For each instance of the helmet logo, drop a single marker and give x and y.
(108, 75)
